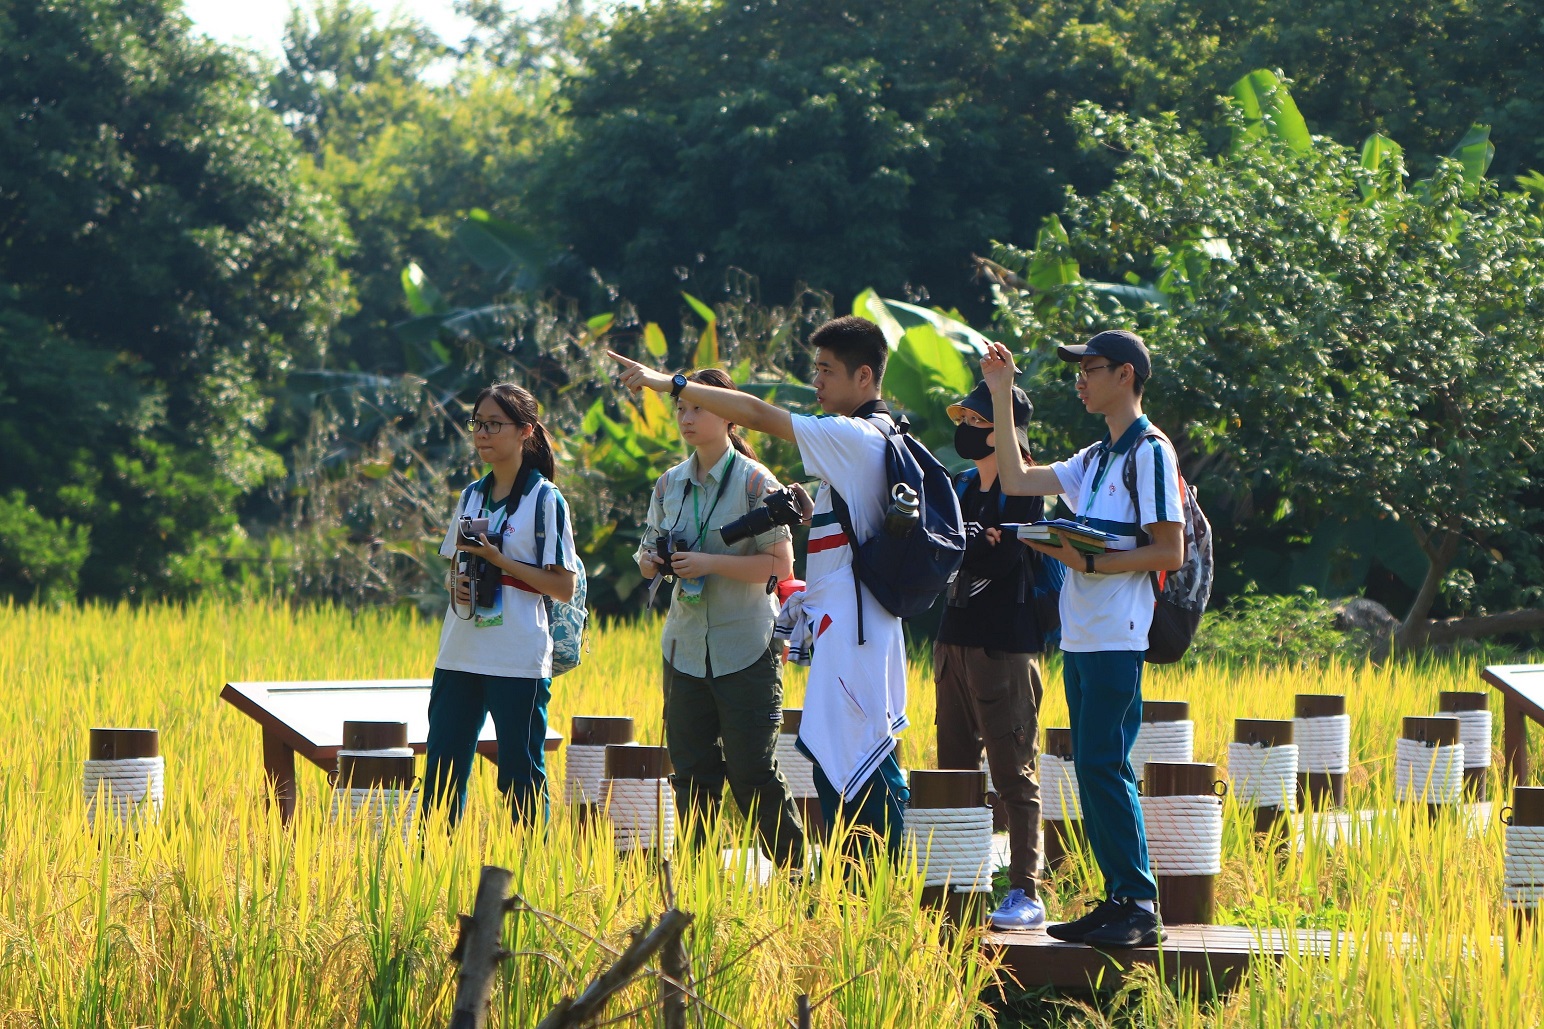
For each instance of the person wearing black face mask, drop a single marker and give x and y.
(986, 668)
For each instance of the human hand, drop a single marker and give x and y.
(638, 377)
(649, 564)
(483, 548)
(997, 368)
(993, 534)
(1067, 554)
(459, 586)
(806, 503)
(690, 564)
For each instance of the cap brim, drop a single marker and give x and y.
(1073, 353)
(956, 412)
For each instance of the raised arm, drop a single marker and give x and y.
(732, 404)
(1018, 479)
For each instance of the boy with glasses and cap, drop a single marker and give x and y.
(1106, 609)
(986, 667)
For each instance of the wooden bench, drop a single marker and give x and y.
(306, 718)
(1522, 692)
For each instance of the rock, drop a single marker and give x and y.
(1366, 616)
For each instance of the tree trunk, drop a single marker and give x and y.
(1440, 557)
(1448, 630)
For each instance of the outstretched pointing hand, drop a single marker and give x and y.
(637, 377)
(997, 368)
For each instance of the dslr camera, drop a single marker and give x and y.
(780, 507)
(483, 575)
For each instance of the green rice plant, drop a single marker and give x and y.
(218, 915)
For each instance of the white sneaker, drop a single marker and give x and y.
(1019, 911)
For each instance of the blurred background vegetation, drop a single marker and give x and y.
(243, 302)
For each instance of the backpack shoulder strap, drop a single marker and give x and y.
(1129, 477)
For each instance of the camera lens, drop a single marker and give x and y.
(753, 523)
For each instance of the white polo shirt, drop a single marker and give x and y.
(520, 647)
(1114, 611)
(856, 698)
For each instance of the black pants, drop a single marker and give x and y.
(724, 727)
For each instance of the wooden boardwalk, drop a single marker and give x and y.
(1213, 956)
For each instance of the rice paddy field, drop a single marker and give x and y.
(219, 916)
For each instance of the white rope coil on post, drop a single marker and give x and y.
(382, 806)
(584, 767)
(1474, 732)
(129, 788)
(952, 846)
(1184, 834)
(1059, 790)
(1264, 776)
(1524, 869)
(796, 768)
(642, 813)
(1163, 741)
(1433, 775)
(1323, 744)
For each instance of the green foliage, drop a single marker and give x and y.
(161, 263)
(40, 558)
(1255, 628)
(1343, 349)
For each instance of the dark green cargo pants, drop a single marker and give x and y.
(743, 709)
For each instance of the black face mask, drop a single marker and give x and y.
(970, 442)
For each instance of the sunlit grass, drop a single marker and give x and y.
(217, 916)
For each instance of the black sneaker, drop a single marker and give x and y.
(1132, 926)
(1075, 930)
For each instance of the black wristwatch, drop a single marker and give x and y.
(677, 384)
(1088, 564)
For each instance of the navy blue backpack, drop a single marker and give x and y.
(907, 573)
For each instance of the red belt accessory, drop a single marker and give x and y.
(519, 584)
(827, 543)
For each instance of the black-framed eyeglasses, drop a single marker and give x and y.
(1083, 372)
(478, 425)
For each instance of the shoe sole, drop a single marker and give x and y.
(1146, 941)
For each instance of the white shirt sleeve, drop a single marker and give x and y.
(559, 550)
(1070, 473)
(828, 445)
(1158, 489)
(448, 548)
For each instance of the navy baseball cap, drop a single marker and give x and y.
(979, 400)
(1118, 345)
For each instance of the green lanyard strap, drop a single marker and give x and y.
(702, 523)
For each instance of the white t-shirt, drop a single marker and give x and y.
(856, 697)
(1114, 611)
(520, 647)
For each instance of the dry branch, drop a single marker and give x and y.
(479, 949)
(574, 1012)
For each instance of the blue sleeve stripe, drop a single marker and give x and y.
(1113, 527)
(824, 518)
(1160, 484)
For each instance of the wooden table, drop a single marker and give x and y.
(1522, 690)
(307, 718)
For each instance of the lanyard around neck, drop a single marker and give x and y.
(702, 523)
(1105, 461)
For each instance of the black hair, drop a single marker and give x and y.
(720, 378)
(517, 402)
(855, 342)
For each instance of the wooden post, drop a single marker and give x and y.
(810, 811)
(122, 744)
(479, 950)
(630, 761)
(950, 788)
(1165, 710)
(1527, 809)
(802, 1009)
(1476, 780)
(1267, 732)
(1183, 898)
(374, 735)
(1435, 731)
(675, 965)
(597, 731)
(1320, 789)
(1059, 835)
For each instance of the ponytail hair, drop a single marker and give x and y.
(520, 405)
(718, 377)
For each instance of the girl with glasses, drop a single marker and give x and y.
(495, 655)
